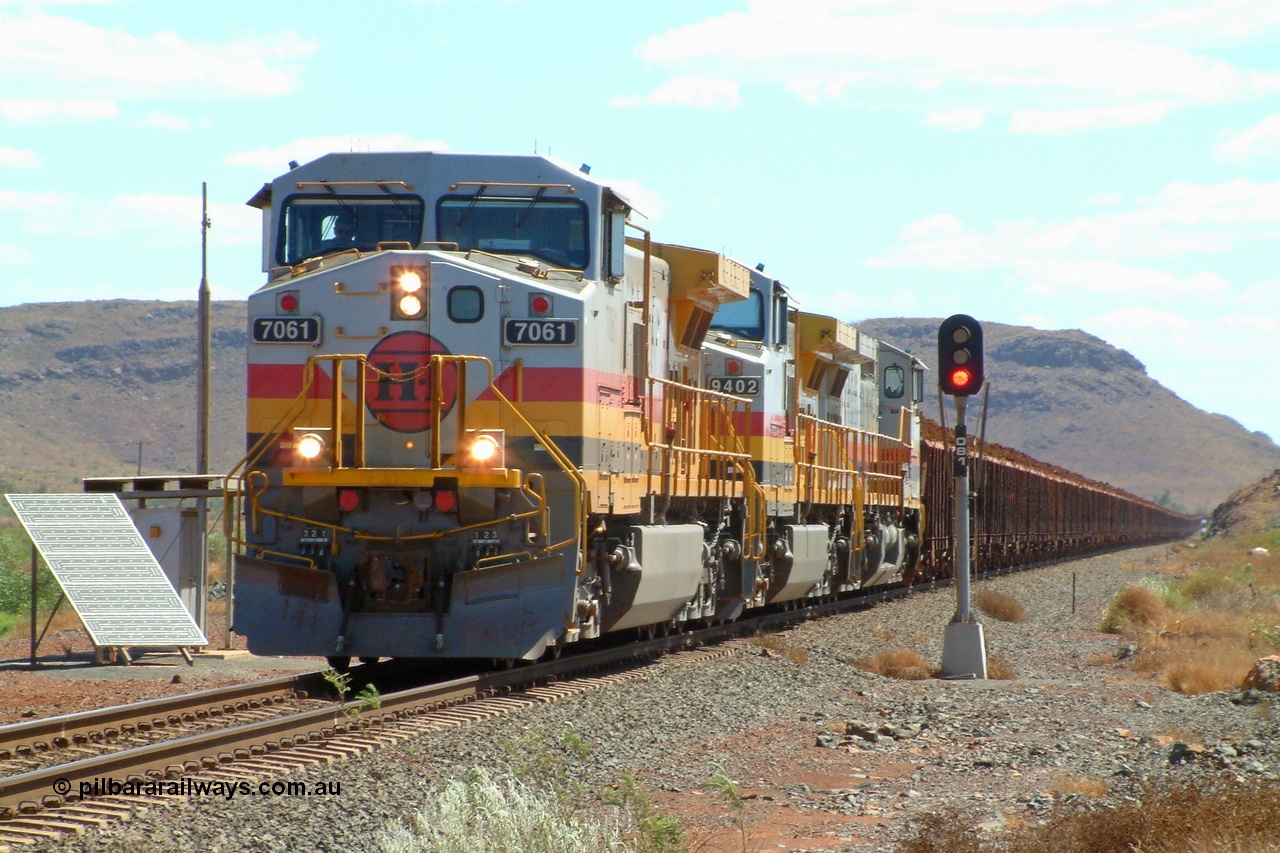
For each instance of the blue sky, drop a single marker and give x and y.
(1107, 165)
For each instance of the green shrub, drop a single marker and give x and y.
(480, 814)
(15, 575)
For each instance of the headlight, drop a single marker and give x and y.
(410, 305)
(309, 447)
(409, 288)
(485, 449)
(411, 281)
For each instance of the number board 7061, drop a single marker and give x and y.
(546, 332)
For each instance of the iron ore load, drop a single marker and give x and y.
(489, 417)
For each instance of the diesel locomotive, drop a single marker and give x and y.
(490, 416)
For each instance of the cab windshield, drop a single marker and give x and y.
(552, 230)
(320, 225)
(744, 319)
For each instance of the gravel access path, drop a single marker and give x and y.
(826, 756)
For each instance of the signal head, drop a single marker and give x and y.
(960, 370)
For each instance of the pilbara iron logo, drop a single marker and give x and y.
(398, 388)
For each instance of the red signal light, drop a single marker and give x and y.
(960, 377)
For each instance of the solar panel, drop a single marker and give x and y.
(109, 575)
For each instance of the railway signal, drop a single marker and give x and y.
(960, 355)
(964, 652)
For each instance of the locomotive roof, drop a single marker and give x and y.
(416, 166)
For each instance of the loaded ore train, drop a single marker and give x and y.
(489, 416)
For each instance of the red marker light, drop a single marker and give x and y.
(539, 305)
(960, 377)
(349, 500)
(446, 501)
(288, 302)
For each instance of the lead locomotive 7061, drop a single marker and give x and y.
(489, 416)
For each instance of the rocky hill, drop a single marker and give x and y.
(1072, 399)
(98, 389)
(91, 388)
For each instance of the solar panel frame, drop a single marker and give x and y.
(108, 573)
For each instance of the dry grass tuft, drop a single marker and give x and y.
(1094, 789)
(999, 669)
(1217, 817)
(776, 644)
(999, 606)
(1218, 666)
(1135, 608)
(898, 663)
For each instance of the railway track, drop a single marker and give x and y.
(28, 745)
(61, 797)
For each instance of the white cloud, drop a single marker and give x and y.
(51, 111)
(1054, 65)
(1195, 367)
(276, 160)
(32, 202)
(956, 120)
(1135, 257)
(164, 121)
(1262, 293)
(59, 51)
(1238, 202)
(1262, 140)
(933, 227)
(714, 93)
(1183, 218)
(1121, 281)
(157, 219)
(15, 255)
(148, 219)
(19, 158)
(1059, 122)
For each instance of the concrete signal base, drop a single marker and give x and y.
(964, 651)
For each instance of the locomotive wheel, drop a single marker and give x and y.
(340, 663)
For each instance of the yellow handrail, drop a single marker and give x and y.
(533, 486)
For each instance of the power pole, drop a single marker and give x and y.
(205, 335)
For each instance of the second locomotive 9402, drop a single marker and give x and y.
(489, 416)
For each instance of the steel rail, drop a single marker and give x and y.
(44, 734)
